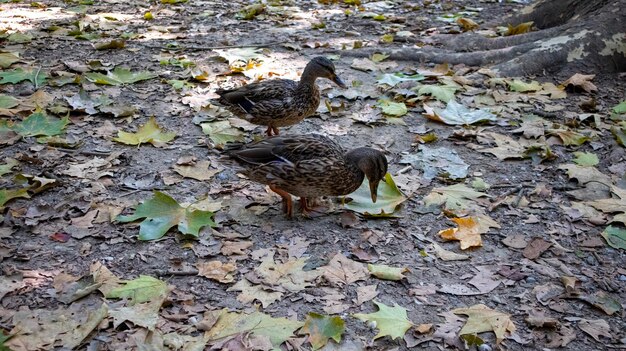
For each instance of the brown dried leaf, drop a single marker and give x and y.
(583, 81)
(535, 248)
(342, 270)
(216, 270)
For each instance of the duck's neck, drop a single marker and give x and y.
(307, 80)
(353, 158)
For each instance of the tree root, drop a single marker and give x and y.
(574, 38)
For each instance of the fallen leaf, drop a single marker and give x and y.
(14, 76)
(216, 270)
(457, 114)
(602, 301)
(221, 132)
(393, 79)
(596, 328)
(386, 272)
(142, 289)
(250, 292)
(342, 270)
(390, 321)
(467, 24)
(521, 28)
(437, 161)
(523, 87)
(586, 159)
(365, 293)
(393, 109)
(119, 76)
(231, 323)
(147, 133)
(321, 328)
(453, 197)
(388, 199)
(583, 81)
(535, 248)
(39, 124)
(199, 170)
(64, 327)
(446, 255)
(481, 319)
(162, 212)
(443, 93)
(614, 236)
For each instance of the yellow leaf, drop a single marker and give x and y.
(147, 133)
(519, 29)
(467, 24)
(482, 319)
(468, 232)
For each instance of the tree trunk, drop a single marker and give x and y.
(587, 36)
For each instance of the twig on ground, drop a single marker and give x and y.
(199, 48)
(37, 76)
(503, 196)
(85, 152)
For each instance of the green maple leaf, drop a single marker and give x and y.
(35, 76)
(521, 86)
(6, 168)
(586, 159)
(8, 194)
(40, 124)
(394, 109)
(162, 212)
(119, 76)
(147, 133)
(7, 101)
(443, 93)
(142, 289)
(221, 132)
(278, 330)
(615, 236)
(455, 197)
(7, 59)
(392, 79)
(390, 321)
(388, 199)
(321, 328)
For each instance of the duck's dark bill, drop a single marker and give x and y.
(374, 190)
(339, 82)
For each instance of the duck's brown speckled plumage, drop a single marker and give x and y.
(280, 102)
(308, 165)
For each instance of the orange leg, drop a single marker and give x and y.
(287, 204)
(275, 129)
(269, 131)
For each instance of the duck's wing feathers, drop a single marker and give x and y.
(253, 96)
(286, 150)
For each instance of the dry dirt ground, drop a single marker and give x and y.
(55, 236)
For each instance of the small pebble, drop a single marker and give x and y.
(484, 347)
(530, 280)
(591, 260)
(622, 278)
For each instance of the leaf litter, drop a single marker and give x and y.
(68, 177)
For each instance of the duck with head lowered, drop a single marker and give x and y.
(280, 102)
(308, 166)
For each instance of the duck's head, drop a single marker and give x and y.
(371, 162)
(322, 67)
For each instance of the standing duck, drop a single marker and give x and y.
(308, 166)
(280, 102)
